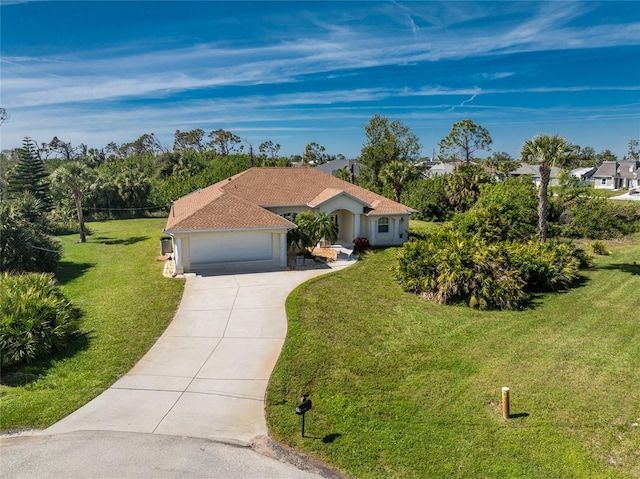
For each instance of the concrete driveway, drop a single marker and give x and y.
(205, 378)
(207, 375)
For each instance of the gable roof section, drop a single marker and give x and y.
(331, 193)
(242, 200)
(607, 169)
(212, 209)
(628, 169)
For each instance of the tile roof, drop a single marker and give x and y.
(240, 201)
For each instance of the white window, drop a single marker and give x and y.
(383, 225)
(290, 216)
(603, 181)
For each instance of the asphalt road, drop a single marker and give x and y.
(119, 455)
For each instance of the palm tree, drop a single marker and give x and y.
(311, 229)
(397, 173)
(549, 150)
(76, 177)
(325, 228)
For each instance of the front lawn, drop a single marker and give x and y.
(405, 388)
(116, 281)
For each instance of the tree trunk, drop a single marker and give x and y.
(545, 174)
(397, 192)
(77, 196)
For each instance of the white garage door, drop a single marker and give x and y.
(225, 247)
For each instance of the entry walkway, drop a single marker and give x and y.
(206, 377)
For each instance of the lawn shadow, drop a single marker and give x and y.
(518, 415)
(537, 298)
(633, 269)
(329, 438)
(68, 271)
(121, 241)
(27, 373)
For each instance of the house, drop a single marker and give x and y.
(612, 175)
(245, 218)
(583, 174)
(606, 176)
(441, 169)
(534, 172)
(332, 167)
(629, 173)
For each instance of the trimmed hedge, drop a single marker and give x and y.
(36, 318)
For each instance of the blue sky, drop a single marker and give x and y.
(297, 72)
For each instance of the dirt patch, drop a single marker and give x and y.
(268, 447)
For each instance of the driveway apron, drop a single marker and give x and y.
(206, 377)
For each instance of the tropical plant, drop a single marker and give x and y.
(464, 185)
(599, 248)
(450, 268)
(504, 211)
(599, 218)
(550, 266)
(361, 245)
(311, 229)
(24, 242)
(548, 150)
(397, 174)
(77, 178)
(429, 197)
(36, 317)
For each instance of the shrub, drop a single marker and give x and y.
(599, 218)
(449, 267)
(24, 243)
(361, 245)
(598, 247)
(551, 266)
(428, 196)
(504, 211)
(36, 318)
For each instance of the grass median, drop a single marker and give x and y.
(116, 281)
(405, 388)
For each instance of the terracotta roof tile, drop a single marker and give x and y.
(240, 201)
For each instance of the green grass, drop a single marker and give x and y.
(118, 284)
(421, 228)
(405, 388)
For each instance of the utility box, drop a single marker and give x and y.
(166, 245)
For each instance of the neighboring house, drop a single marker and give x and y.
(332, 167)
(441, 169)
(534, 172)
(583, 174)
(629, 173)
(606, 176)
(245, 218)
(612, 175)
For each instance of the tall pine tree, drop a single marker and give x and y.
(30, 175)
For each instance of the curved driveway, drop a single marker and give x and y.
(202, 383)
(206, 377)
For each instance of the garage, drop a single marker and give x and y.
(224, 247)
